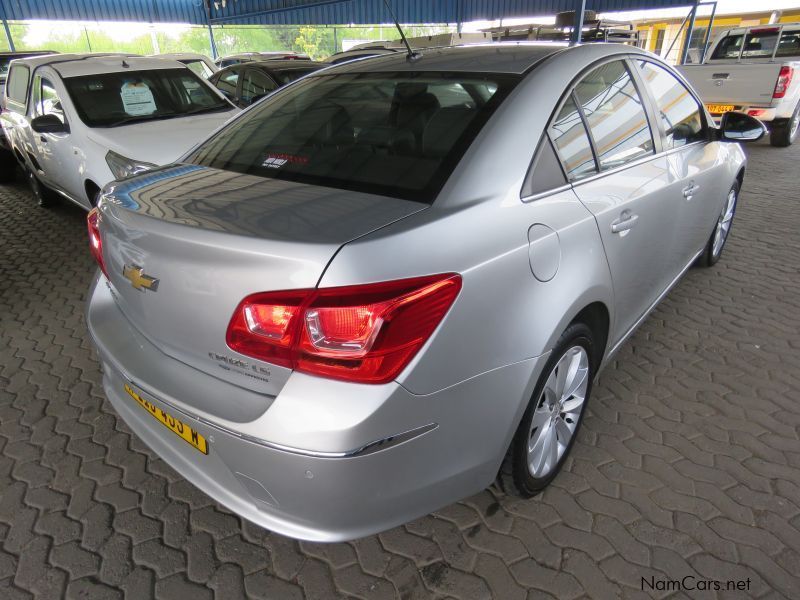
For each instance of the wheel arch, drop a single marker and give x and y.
(597, 317)
(91, 189)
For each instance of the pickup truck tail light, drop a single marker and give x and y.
(783, 83)
(362, 333)
(95, 241)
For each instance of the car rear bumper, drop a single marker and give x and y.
(332, 475)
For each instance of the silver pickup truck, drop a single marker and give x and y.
(755, 70)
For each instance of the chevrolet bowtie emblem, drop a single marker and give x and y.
(138, 278)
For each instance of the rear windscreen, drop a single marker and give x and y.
(394, 134)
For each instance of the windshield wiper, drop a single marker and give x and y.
(202, 109)
(142, 119)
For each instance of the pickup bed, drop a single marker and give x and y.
(755, 70)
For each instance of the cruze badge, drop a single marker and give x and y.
(139, 279)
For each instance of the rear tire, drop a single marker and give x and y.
(785, 134)
(722, 229)
(531, 463)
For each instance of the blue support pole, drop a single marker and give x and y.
(577, 25)
(214, 53)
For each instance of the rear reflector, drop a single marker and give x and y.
(95, 241)
(756, 112)
(783, 83)
(363, 333)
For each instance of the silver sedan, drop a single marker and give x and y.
(392, 283)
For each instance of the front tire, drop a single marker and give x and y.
(551, 422)
(722, 229)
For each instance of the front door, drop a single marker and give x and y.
(53, 151)
(699, 180)
(626, 189)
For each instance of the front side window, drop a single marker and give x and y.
(383, 133)
(227, 82)
(255, 85)
(112, 99)
(760, 43)
(17, 85)
(572, 141)
(46, 100)
(679, 111)
(728, 47)
(615, 115)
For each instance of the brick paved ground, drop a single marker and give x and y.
(688, 464)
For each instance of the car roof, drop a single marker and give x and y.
(498, 57)
(282, 65)
(74, 65)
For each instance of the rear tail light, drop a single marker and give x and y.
(783, 83)
(95, 241)
(363, 333)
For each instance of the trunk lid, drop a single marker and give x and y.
(740, 84)
(212, 237)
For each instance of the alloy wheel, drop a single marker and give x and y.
(558, 412)
(724, 223)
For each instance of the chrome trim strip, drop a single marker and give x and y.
(538, 195)
(646, 313)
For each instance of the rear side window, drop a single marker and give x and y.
(382, 133)
(615, 115)
(572, 141)
(679, 111)
(17, 84)
(728, 47)
(789, 44)
(760, 43)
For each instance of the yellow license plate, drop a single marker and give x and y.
(719, 108)
(186, 433)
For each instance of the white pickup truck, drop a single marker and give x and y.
(755, 70)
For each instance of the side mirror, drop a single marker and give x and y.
(49, 124)
(739, 127)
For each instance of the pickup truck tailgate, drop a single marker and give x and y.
(741, 84)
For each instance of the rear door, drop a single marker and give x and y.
(623, 182)
(698, 179)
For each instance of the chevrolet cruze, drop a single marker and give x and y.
(392, 282)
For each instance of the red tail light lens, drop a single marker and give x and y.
(364, 333)
(263, 326)
(95, 241)
(783, 83)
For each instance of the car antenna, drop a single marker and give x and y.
(411, 54)
(125, 65)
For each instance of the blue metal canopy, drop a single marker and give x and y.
(300, 12)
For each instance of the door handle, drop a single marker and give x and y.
(43, 139)
(690, 190)
(624, 223)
